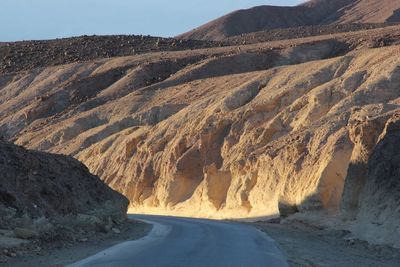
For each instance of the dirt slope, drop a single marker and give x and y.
(41, 184)
(316, 12)
(49, 201)
(233, 132)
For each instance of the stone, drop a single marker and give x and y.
(86, 219)
(116, 230)
(25, 233)
(7, 233)
(9, 242)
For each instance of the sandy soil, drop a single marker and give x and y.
(62, 253)
(305, 245)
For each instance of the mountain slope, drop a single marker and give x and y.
(233, 132)
(314, 12)
(369, 11)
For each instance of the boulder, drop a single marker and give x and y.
(25, 233)
(116, 230)
(9, 242)
(85, 219)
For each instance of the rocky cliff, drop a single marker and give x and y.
(233, 132)
(371, 195)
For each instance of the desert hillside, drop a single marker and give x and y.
(301, 126)
(39, 184)
(47, 198)
(314, 12)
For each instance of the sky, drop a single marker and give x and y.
(48, 19)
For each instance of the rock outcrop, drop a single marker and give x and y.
(372, 195)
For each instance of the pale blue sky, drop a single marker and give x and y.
(46, 19)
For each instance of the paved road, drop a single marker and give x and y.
(186, 242)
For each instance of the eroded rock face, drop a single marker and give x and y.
(377, 195)
(280, 138)
(248, 132)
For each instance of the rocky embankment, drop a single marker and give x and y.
(285, 128)
(46, 198)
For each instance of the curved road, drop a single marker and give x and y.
(187, 242)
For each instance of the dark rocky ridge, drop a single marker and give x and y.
(25, 55)
(301, 32)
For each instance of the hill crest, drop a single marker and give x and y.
(315, 12)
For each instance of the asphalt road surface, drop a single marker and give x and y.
(187, 242)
